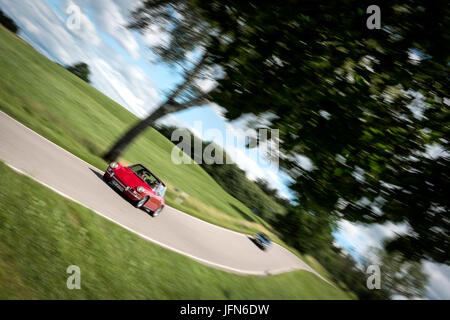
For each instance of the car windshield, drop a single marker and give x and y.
(161, 190)
(264, 237)
(145, 175)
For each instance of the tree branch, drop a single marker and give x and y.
(198, 101)
(189, 77)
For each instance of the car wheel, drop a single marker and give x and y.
(105, 178)
(141, 202)
(157, 211)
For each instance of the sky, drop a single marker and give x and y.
(124, 68)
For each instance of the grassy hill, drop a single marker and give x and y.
(68, 111)
(37, 246)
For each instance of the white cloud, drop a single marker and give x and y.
(414, 57)
(155, 36)
(30, 26)
(439, 280)
(206, 84)
(109, 18)
(417, 105)
(304, 162)
(129, 86)
(435, 151)
(171, 120)
(362, 238)
(86, 32)
(249, 161)
(218, 110)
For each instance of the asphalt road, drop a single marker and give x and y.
(35, 156)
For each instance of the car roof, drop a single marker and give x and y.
(263, 235)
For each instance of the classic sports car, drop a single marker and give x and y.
(139, 185)
(262, 240)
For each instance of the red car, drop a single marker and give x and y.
(139, 185)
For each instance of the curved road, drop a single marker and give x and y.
(29, 153)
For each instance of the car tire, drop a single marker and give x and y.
(157, 211)
(139, 204)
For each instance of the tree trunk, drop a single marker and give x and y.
(119, 147)
(167, 107)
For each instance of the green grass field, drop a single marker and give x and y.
(40, 238)
(61, 107)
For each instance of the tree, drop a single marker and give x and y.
(8, 23)
(81, 70)
(189, 33)
(400, 277)
(343, 96)
(265, 187)
(307, 232)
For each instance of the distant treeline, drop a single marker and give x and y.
(258, 195)
(8, 23)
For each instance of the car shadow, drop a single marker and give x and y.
(256, 243)
(99, 175)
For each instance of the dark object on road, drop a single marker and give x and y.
(139, 185)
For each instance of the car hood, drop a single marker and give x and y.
(127, 176)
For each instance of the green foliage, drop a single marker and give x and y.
(341, 94)
(402, 277)
(272, 192)
(348, 274)
(307, 232)
(342, 97)
(8, 23)
(81, 70)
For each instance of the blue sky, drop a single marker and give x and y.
(125, 69)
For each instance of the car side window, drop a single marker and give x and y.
(161, 190)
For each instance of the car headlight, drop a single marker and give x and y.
(114, 165)
(140, 189)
